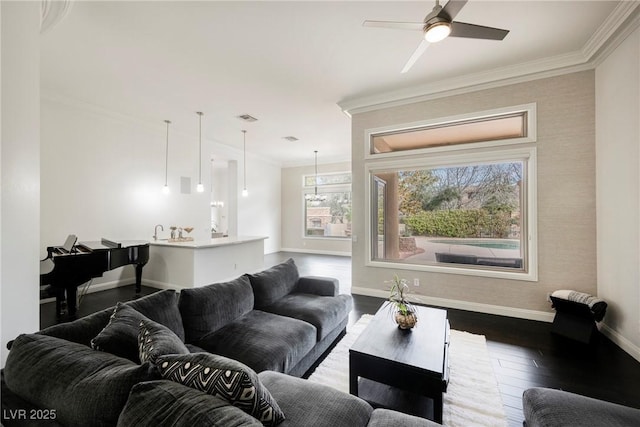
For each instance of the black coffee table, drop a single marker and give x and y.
(415, 360)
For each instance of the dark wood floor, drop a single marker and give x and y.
(524, 353)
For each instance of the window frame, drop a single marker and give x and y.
(474, 153)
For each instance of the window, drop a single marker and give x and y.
(327, 205)
(455, 211)
(504, 126)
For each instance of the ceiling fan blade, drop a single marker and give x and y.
(471, 31)
(416, 54)
(395, 25)
(452, 8)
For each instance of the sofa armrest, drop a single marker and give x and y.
(82, 330)
(167, 403)
(386, 417)
(305, 403)
(317, 285)
(545, 407)
(13, 406)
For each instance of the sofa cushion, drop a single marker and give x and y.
(545, 407)
(226, 378)
(325, 313)
(312, 404)
(263, 341)
(272, 284)
(166, 403)
(86, 387)
(155, 340)
(161, 307)
(209, 308)
(120, 336)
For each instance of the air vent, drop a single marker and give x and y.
(290, 138)
(247, 118)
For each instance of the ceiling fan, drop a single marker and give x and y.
(438, 25)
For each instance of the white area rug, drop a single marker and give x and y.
(472, 397)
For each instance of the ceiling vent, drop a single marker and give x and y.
(290, 138)
(247, 118)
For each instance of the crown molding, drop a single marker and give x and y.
(632, 23)
(52, 12)
(583, 59)
(614, 21)
(533, 70)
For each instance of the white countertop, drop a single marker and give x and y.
(210, 243)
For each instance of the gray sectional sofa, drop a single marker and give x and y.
(227, 354)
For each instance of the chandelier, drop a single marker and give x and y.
(315, 198)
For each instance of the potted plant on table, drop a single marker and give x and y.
(403, 311)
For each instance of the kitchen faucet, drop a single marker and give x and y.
(155, 231)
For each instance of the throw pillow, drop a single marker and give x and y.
(120, 336)
(274, 283)
(226, 378)
(208, 308)
(155, 340)
(161, 307)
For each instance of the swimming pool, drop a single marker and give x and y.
(491, 244)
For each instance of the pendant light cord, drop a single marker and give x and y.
(166, 157)
(316, 180)
(199, 113)
(244, 157)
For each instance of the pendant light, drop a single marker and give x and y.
(199, 187)
(245, 193)
(316, 199)
(165, 189)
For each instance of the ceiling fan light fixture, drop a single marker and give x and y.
(437, 31)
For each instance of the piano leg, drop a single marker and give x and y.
(72, 298)
(139, 278)
(61, 306)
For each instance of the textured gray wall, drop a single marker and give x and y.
(566, 195)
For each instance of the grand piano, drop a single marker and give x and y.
(68, 266)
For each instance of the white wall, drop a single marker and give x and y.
(618, 191)
(102, 175)
(259, 214)
(293, 213)
(20, 161)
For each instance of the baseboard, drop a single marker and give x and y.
(622, 342)
(161, 285)
(520, 313)
(315, 251)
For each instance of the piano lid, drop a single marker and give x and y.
(105, 244)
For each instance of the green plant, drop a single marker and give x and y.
(398, 296)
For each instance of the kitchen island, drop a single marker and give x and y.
(189, 264)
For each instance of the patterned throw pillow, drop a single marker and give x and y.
(155, 340)
(226, 378)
